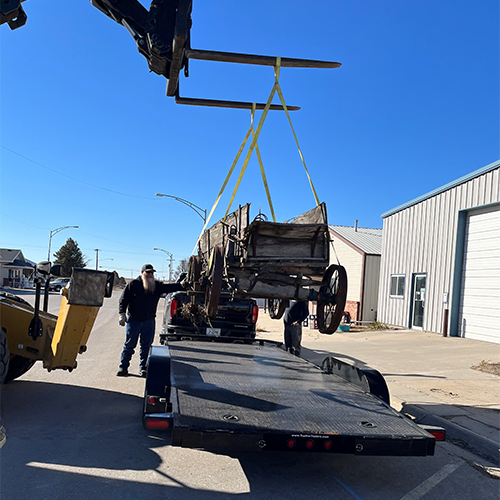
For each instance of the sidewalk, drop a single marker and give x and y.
(429, 376)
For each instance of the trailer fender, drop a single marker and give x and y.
(158, 376)
(368, 379)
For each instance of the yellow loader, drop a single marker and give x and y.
(28, 334)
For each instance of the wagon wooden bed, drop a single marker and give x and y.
(275, 261)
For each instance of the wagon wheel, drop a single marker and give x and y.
(277, 307)
(214, 282)
(194, 269)
(331, 299)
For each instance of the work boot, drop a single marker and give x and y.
(122, 372)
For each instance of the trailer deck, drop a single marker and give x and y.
(258, 396)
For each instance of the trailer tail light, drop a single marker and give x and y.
(438, 432)
(439, 435)
(309, 444)
(157, 423)
(255, 314)
(291, 443)
(328, 445)
(173, 307)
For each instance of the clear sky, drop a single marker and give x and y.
(88, 136)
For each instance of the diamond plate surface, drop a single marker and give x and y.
(252, 388)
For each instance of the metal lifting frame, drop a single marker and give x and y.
(162, 35)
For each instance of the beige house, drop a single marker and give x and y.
(359, 250)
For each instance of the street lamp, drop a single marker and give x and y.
(171, 260)
(200, 211)
(102, 260)
(55, 231)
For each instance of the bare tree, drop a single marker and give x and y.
(182, 267)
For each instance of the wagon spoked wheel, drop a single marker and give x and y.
(332, 299)
(214, 282)
(277, 307)
(194, 269)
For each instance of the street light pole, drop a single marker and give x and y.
(55, 231)
(200, 211)
(171, 260)
(102, 260)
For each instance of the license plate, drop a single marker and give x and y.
(213, 332)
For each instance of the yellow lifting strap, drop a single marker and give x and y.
(253, 144)
(263, 173)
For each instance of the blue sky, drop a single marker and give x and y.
(88, 136)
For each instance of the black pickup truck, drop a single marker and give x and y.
(235, 317)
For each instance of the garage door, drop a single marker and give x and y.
(480, 308)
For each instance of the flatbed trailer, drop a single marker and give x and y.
(218, 394)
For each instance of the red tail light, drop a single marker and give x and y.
(439, 435)
(173, 307)
(255, 314)
(309, 444)
(157, 424)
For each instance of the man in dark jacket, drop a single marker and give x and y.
(141, 298)
(293, 318)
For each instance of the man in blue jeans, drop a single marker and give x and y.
(141, 298)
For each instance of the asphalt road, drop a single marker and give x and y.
(79, 436)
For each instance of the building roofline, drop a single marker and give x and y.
(442, 189)
(346, 241)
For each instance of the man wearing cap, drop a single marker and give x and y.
(141, 298)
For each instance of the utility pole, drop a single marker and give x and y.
(96, 259)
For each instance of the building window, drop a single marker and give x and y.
(397, 285)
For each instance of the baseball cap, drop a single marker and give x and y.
(148, 267)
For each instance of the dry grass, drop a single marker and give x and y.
(487, 367)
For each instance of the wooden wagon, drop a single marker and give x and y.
(275, 261)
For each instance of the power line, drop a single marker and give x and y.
(73, 178)
(23, 223)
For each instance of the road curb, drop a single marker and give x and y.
(474, 442)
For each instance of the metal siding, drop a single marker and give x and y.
(480, 306)
(422, 239)
(352, 261)
(370, 293)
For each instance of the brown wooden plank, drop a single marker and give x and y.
(271, 291)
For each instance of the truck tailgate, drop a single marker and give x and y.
(259, 396)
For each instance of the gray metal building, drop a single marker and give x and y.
(440, 266)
